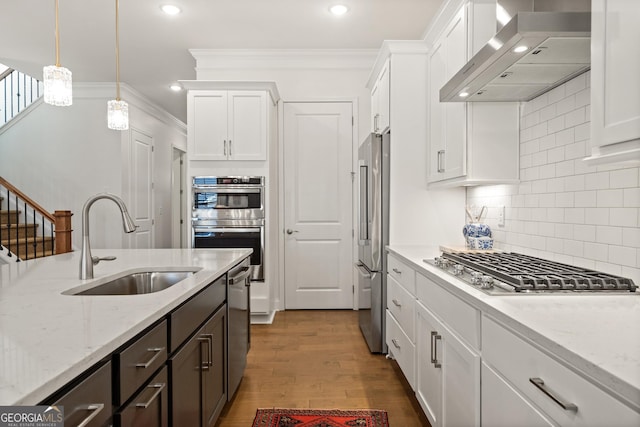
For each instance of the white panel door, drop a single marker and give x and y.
(141, 209)
(318, 205)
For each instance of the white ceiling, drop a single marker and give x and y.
(154, 46)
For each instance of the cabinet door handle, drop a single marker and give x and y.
(567, 406)
(375, 122)
(434, 348)
(396, 303)
(225, 147)
(395, 270)
(209, 338)
(158, 389)
(230, 153)
(204, 338)
(157, 351)
(441, 161)
(395, 343)
(95, 409)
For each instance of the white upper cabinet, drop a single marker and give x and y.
(469, 143)
(229, 124)
(380, 100)
(615, 81)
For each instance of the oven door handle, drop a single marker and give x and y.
(236, 190)
(210, 230)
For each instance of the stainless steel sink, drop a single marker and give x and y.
(145, 282)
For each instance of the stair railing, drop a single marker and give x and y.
(29, 230)
(17, 92)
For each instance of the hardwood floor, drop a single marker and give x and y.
(319, 359)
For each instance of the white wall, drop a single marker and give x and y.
(563, 209)
(60, 156)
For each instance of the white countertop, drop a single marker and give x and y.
(595, 334)
(47, 339)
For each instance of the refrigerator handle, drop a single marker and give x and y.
(363, 270)
(363, 206)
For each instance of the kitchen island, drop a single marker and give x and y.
(585, 347)
(48, 338)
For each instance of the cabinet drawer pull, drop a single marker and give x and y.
(158, 389)
(395, 270)
(434, 348)
(95, 409)
(396, 303)
(567, 406)
(395, 343)
(157, 351)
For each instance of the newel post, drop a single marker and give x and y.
(63, 231)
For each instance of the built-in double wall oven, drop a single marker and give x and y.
(228, 212)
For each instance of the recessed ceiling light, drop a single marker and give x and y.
(463, 94)
(170, 9)
(339, 9)
(176, 87)
(521, 49)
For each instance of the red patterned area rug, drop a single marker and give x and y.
(320, 418)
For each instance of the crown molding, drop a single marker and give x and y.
(208, 59)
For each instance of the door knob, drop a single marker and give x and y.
(290, 231)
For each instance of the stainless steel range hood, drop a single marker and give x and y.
(556, 47)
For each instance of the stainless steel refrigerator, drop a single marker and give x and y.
(373, 236)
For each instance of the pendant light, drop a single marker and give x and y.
(117, 109)
(57, 79)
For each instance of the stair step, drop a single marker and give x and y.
(9, 217)
(29, 247)
(24, 230)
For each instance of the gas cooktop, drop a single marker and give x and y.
(504, 273)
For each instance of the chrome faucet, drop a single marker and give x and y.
(86, 260)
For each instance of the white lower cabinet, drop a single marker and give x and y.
(568, 398)
(503, 406)
(448, 374)
(401, 348)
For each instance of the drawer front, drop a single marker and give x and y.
(505, 407)
(521, 363)
(150, 407)
(462, 318)
(401, 348)
(140, 360)
(403, 274)
(403, 307)
(194, 312)
(90, 401)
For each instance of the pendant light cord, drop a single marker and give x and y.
(117, 56)
(57, 38)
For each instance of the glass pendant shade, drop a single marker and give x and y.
(57, 86)
(117, 114)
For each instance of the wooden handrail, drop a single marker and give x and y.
(24, 197)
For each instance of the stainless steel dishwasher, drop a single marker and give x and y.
(238, 320)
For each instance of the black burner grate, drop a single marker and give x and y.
(526, 273)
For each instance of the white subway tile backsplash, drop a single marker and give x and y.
(609, 235)
(596, 216)
(623, 217)
(565, 105)
(631, 197)
(623, 255)
(576, 84)
(610, 198)
(564, 209)
(585, 199)
(596, 251)
(575, 117)
(582, 132)
(624, 178)
(597, 181)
